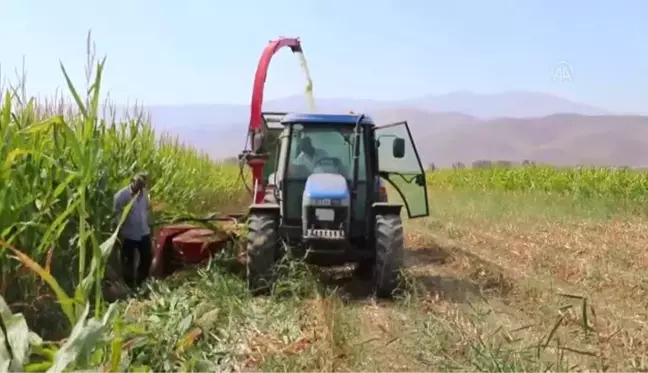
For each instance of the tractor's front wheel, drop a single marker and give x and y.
(390, 248)
(261, 252)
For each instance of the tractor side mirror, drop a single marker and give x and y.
(398, 149)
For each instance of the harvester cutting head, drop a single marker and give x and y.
(324, 195)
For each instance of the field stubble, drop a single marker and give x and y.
(531, 284)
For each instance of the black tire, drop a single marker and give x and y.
(261, 252)
(390, 249)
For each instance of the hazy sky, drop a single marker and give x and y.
(195, 51)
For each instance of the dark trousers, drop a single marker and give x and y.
(143, 247)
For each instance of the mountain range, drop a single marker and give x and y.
(455, 127)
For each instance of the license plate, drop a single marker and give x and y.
(325, 214)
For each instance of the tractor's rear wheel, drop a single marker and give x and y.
(261, 252)
(390, 248)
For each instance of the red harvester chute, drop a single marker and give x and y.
(255, 159)
(181, 244)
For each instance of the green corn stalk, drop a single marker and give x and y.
(61, 165)
(629, 185)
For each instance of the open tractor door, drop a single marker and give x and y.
(405, 174)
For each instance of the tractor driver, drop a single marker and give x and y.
(309, 155)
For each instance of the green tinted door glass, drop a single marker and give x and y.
(406, 174)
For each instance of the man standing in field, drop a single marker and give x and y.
(135, 233)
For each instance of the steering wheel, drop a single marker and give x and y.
(337, 163)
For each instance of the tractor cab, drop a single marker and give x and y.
(324, 194)
(337, 162)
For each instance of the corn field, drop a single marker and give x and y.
(60, 167)
(583, 182)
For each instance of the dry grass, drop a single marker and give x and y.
(520, 282)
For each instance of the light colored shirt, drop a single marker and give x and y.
(136, 224)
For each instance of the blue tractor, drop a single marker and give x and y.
(325, 196)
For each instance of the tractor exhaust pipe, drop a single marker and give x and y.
(354, 179)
